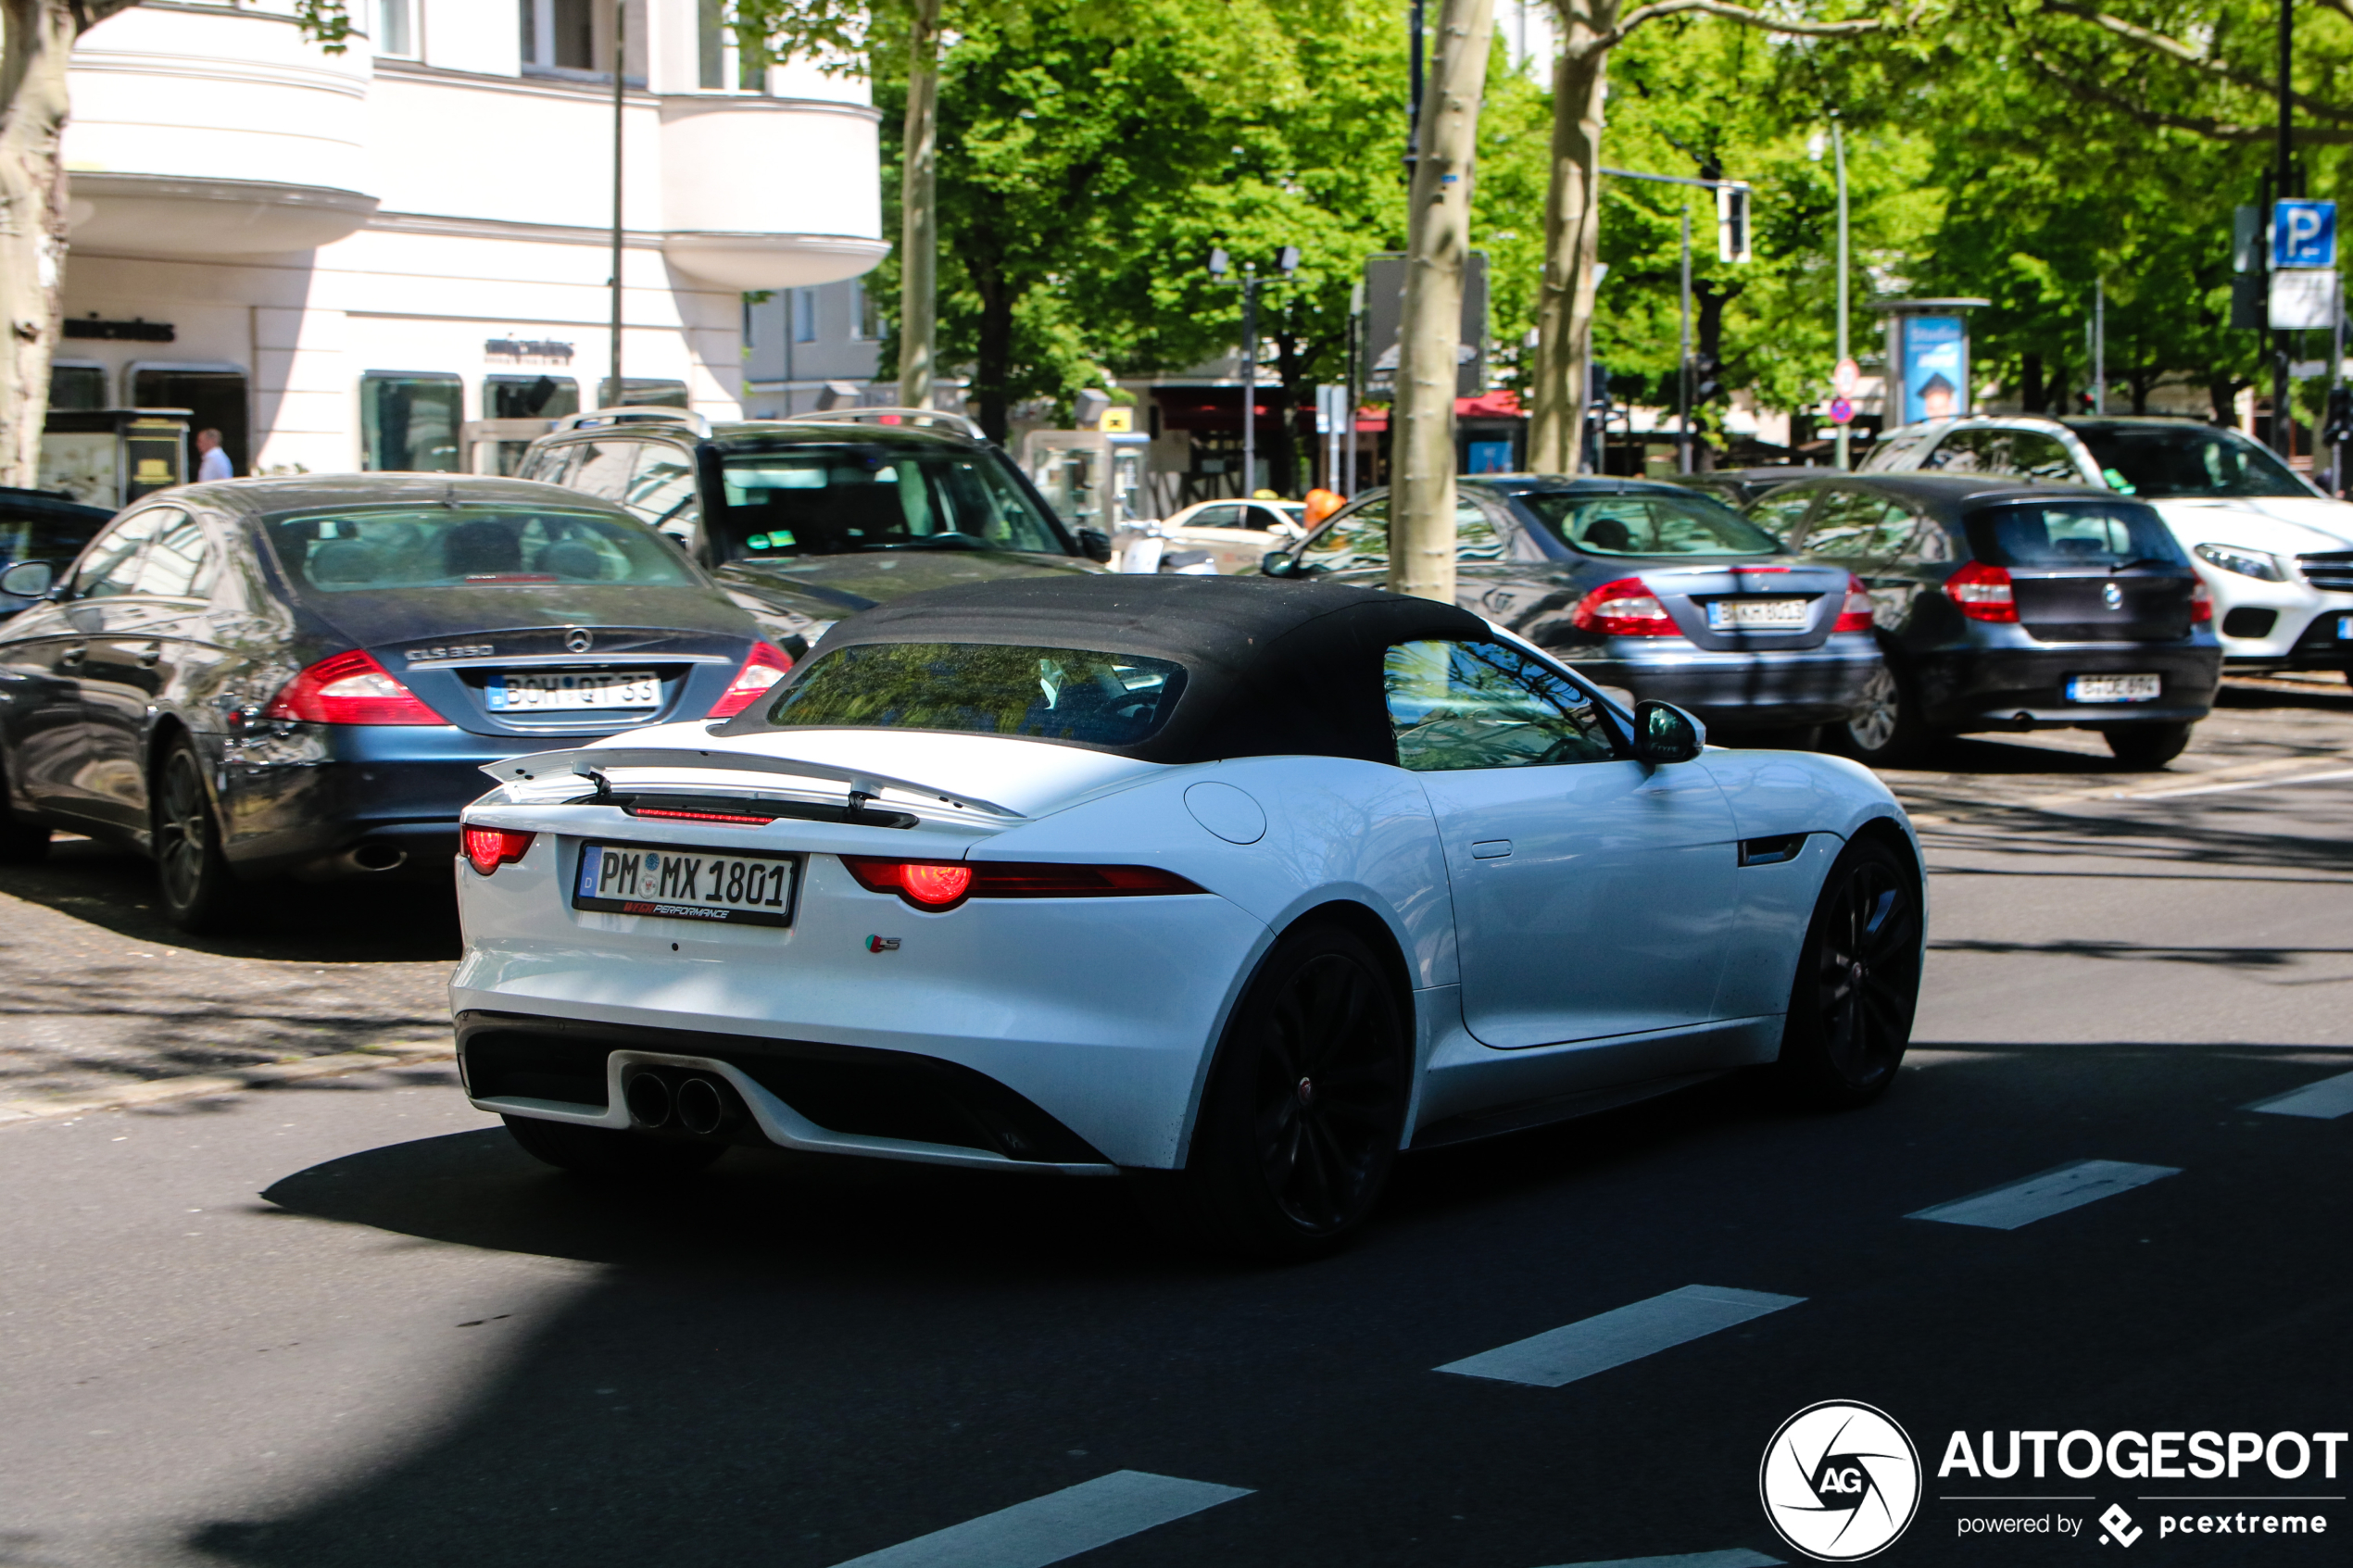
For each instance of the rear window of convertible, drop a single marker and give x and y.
(985, 689)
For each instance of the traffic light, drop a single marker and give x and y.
(1708, 378)
(2337, 427)
(1732, 223)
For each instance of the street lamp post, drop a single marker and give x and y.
(1838, 156)
(1219, 265)
(1683, 374)
(620, 58)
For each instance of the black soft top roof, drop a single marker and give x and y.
(1272, 668)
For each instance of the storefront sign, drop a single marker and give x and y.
(136, 330)
(527, 350)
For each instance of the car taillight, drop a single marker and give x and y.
(1623, 608)
(2201, 603)
(762, 669)
(1854, 615)
(488, 848)
(349, 688)
(940, 885)
(1982, 591)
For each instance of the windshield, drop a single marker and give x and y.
(2071, 534)
(2159, 461)
(979, 688)
(805, 500)
(349, 552)
(1648, 525)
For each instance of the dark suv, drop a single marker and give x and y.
(808, 519)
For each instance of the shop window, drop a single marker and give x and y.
(642, 392)
(397, 27)
(214, 396)
(409, 423)
(529, 398)
(77, 387)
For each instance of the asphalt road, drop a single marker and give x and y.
(348, 1323)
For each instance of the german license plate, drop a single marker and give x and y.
(729, 887)
(2115, 688)
(571, 691)
(1781, 615)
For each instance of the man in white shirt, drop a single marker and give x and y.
(211, 461)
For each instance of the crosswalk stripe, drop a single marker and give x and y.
(1626, 1333)
(2323, 1102)
(1738, 1556)
(1059, 1524)
(2053, 1192)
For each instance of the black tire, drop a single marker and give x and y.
(1888, 730)
(200, 893)
(21, 843)
(1305, 1103)
(1858, 981)
(607, 1151)
(2146, 747)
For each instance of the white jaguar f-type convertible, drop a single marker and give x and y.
(1250, 881)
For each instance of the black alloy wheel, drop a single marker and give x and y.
(1307, 1102)
(2143, 749)
(199, 890)
(1886, 731)
(609, 1151)
(1858, 981)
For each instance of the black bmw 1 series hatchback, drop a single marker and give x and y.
(301, 678)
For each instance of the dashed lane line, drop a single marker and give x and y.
(1739, 1557)
(1563, 1355)
(2323, 1102)
(2007, 1207)
(1059, 1524)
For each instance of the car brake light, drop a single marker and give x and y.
(1854, 615)
(1983, 592)
(1623, 608)
(2201, 603)
(762, 669)
(488, 848)
(349, 688)
(940, 885)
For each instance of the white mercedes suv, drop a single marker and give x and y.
(2275, 551)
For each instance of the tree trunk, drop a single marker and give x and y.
(1572, 237)
(993, 348)
(2030, 376)
(2222, 395)
(1421, 513)
(36, 44)
(919, 212)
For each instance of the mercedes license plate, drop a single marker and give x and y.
(1778, 615)
(732, 888)
(2115, 688)
(571, 691)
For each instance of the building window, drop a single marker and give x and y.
(864, 311)
(77, 387)
(713, 45)
(642, 392)
(804, 315)
(529, 398)
(409, 422)
(215, 397)
(559, 35)
(397, 27)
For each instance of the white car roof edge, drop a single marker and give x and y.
(543, 764)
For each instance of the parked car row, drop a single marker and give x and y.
(1888, 610)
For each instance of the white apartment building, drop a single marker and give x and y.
(344, 261)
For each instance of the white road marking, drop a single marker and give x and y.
(1563, 1355)
(2250, 784)
(2039, 1197)
(1059, 1524)
(1739, 1557)
(2323, 1102)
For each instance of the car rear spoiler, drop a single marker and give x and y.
(590, 763)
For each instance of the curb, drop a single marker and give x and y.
(158, 1091)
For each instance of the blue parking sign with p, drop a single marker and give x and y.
(2303, 233)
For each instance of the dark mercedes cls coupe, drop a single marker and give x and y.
(2003, 604)
(266, 678)
(1656, 589)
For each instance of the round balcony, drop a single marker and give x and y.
(770, 192)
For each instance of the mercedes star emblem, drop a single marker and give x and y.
(578, 640)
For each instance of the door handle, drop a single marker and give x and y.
(150, 655)
(1490, 849)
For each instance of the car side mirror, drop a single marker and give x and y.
(1664, 733)
(1277, 563)
(1094, 544)
(29, 579)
